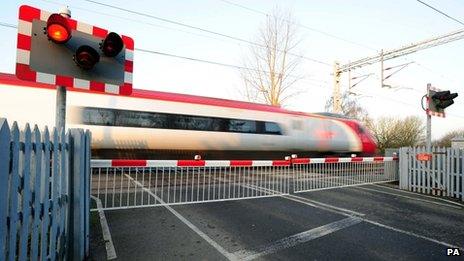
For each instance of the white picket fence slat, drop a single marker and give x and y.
(442, 176)
(35, 199)
(4, 183)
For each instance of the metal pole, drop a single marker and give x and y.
(349, 80)
(60, 114)
(60, 117)
(381, 68)
(429, 122)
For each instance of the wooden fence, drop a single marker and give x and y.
(44, 193)
(442, 175)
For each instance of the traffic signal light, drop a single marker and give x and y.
(112, 45)
(58, 29)
(438, 101)
(86, 57)
(55, 49)
(443, 99)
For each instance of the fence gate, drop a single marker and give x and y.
(118, 184)
(439, 173)
(139, 183)
(329, 173)
(43, 193)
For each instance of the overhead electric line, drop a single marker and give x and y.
(190, 58)
(140, 21)
(8, 25)
(408, 49)
(301, 25)
(440, 12)
(201, 29)
(211, 62)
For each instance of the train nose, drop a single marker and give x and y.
(369, 145)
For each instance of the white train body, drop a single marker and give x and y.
(33, 103)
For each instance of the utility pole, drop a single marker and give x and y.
(337, 107)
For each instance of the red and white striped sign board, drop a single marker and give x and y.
(27, 15)
(229, 163)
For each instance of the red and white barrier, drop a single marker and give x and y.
(336, 160)
(230, 163)
(188, 163)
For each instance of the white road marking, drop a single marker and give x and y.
(248, 255)
(408, 197)
(110, 251)
(412, 234)
(334, 209)
(297, 239)
(311, 202)
(219, 248)
(421, 195)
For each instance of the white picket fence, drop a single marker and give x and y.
(43, 192)
(443, 175)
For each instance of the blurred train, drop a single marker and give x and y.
(161, 125)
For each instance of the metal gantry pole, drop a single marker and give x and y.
(336, 91)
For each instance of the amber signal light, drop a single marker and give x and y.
(58, 30)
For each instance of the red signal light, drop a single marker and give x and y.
(112, 45)
(58, 29)
(86, 57)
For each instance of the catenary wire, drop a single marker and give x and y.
(202, 29)
(222, 64)
(301, 25)
(440, 12)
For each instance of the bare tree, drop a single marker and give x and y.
(445, 140)
(395, 133)
(272, 65)
(350, 108)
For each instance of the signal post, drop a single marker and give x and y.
(437, 102)
(54, 49)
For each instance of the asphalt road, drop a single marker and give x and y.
(356, 223)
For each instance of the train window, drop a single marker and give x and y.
(99, 116)
(272, 128)
(245, 126)
(140, 119)
(185, 122)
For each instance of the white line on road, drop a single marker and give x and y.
(408, 197)
(296, 239)
(412, 234)
(334, 209)
(310, 202)
(319, 204)
(110, 251)
(219, 248)
(421, 195)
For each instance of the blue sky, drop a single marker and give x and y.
(376, 24)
